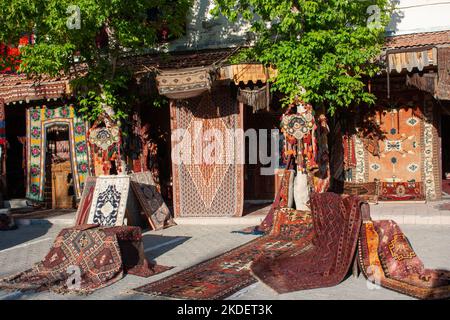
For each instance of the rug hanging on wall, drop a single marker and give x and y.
(39, 119)
(226, 274)
(150, 200)
(100, 255)
(387, 259)
(110, 201)
(207, 181)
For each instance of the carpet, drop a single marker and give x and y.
(84, 206)
(109, 200)
(100, 256)
(228, 273)
(207, 162)
(39, 119)
(151, 201)
(367, 191)
(401, 191)
(386, 258)
(326, 262)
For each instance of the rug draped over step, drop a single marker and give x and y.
(99, 256)
(208, 175)
(387, 259)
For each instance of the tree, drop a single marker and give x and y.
(322, 49)
(86, 39)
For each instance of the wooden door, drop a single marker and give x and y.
(60, 186)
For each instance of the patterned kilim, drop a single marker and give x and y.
(226, 274)
(207, 182)
(109, 200)
(401, 191)
(101, 256)
(86, 201)
(38, 120)
(336, 226)
(151, 201)
(387, 259)
(367, 191)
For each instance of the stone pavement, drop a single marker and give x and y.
(186, 245)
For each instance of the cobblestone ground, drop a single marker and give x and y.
(185, 245)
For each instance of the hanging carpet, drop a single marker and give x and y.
(184, 83)
(257, 98)
(100, 256)
(206, 159)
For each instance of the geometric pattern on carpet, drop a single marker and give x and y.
(201, 187)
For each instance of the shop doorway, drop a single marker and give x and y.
(445, 136)
(15, 153)
(59, 190)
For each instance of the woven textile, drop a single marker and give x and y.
(401, 191)
(96, 254)
(368, 191)
(2, 123)
(184, 83)
(86, 201)
(226, 274)
(336, 226)
(109, 200)
(387, 259)
(203, 186)
(150, 200)
(258, 98)
(104, 137)
(348, 142)
(39, 119)
(101, 255)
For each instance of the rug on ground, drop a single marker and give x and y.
(226, 274)
(387, 259)
(97, 256)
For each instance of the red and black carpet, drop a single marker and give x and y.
(226, 274)
(97, 257)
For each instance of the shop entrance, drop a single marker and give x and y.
(445, 136)
(59, 186)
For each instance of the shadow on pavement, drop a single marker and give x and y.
(155, 246)
(22, 234)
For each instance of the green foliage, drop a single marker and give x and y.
(326, 47)
(99, 77)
